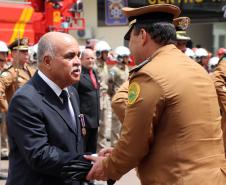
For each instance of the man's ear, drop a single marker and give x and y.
(47, 60)
(144, 36)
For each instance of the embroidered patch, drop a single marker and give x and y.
(133, 93)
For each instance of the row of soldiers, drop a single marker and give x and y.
(110, 79)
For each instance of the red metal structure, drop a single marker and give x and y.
(34, 18)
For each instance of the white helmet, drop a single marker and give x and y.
(122, 51)
(213, 63)
(3, 47)
(102, 46)
(201, 52)
(190, 53)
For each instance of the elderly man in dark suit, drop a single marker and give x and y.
(88, 90)
(43, 125)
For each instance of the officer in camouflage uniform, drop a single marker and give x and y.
(102, 49)
(118, 75)
(15, 75)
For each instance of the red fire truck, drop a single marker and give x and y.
(33, 18)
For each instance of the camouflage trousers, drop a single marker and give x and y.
(4, 137)
(105, 122)
(115, 129)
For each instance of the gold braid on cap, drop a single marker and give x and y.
(132, 22)
(24, 41)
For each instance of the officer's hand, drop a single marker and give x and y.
(97, 171)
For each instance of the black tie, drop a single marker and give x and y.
(64, 96)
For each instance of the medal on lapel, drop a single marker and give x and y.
(83, 131)
(83, 124)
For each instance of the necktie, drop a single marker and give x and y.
(93, 78)
(64, 97)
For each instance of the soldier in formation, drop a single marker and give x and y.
(102, 51)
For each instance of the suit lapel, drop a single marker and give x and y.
(87, 78)
(52, 100)
(61, 111)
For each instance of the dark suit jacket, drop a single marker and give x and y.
(41, 137)
(89, 99)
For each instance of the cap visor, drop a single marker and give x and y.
(167, 8)
(127, 35)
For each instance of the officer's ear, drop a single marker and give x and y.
(143, 36)
(14, 53)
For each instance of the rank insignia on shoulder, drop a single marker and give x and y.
(133, 93)
(5, 74)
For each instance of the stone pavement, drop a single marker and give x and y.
(129, 179)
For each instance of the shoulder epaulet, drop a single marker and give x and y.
(6, 70)
(138, 67)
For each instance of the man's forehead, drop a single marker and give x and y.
(67, 48)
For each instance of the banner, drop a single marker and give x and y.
(113, 12)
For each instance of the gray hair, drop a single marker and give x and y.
(45, 47)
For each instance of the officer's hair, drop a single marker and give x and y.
(162, 33)
(45, 47)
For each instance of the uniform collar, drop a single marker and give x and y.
(157, 52)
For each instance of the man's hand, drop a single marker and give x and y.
(105, 152)
(97, 171)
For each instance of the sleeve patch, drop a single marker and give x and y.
(133, 93)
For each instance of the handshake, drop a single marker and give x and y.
(82, 167)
